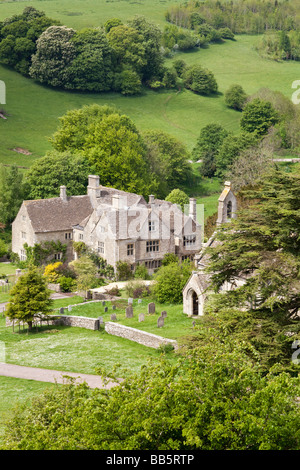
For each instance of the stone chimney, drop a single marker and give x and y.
(93, 188)
(151, 199)
(63, 193)
(193, 208)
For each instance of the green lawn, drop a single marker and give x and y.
(34, 109)
(176, 324)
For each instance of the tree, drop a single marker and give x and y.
(258, 116)
(151, 33)
(230, 150)
(285, 44)
(262, 247)
(170, 160)
(200, 80)
(86, 271)
(128, 47)
(56, 169)
(29, 297)
(55, 52)
(235, 97)
(170, 281)
(178, 197)
(91, 68)
(11, 193)
(208, 143)
(111, 143)
(202, 401)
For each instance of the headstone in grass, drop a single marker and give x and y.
(141, 317)
(130, 301)
(129, 311)
(139, 301)
(69, 308)
(113, 317)
(164, 314)
(160, 322)
(114, 307)
(105, 309)
(61, 310)
(103, 303)
(151, 307)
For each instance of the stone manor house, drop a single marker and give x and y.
(118, 225)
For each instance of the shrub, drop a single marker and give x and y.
(67, 284)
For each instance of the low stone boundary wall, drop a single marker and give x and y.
(139, 336)
(142, 337)
(66, 320)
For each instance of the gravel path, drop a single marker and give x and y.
(52, 376)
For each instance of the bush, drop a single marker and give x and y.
(200, 80)
(171, 280)
(67, 284)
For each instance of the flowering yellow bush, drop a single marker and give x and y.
(51, 273)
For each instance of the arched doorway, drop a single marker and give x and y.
(229, 210)
(195, 302)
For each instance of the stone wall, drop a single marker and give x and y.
(138, 336)
(67, 320)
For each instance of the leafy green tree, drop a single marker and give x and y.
(111, 143)
(151, 33)
(3, 248)
(200, 80)
(204, 401)
(86, 271)
(208, 143)
(123, 271)
(55, 52)
(230, 149)
(91, 68)
(11, 193)
(258, 116)
(111, 23)
(285, 44)
(128, 82)
(29, 297)
(169, 258)
(128, 47)
(235, 97)
(179, 197)
(45, 176)
(170, 281)
(170, 160)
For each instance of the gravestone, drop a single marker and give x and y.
(129, 311)
(69, 308)
(151, 307)
(103, 303)
(105, 309)
(114, 307)
(164, 314)
(160, 322)
(141, 317)
(130, 301)
(61, 310)
(194, 324)
(139, 301)
(113, 317)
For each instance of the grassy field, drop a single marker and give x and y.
(34, 109)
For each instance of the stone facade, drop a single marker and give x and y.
(119, 226)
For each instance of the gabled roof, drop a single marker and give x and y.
(54, 214)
